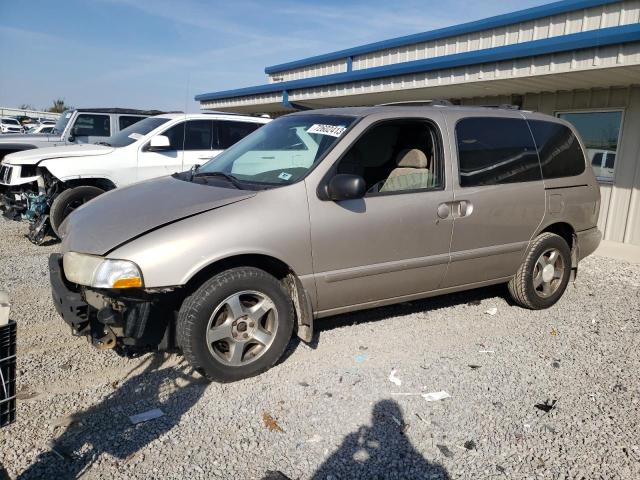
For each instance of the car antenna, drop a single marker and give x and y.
(184, 124)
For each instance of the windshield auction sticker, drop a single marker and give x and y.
(135, 136)
(332, 130)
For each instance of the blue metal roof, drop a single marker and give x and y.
(462, 29)
(575, 41)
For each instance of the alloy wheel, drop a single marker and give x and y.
(242, 328)
(548, 273)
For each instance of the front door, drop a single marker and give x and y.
(191, 143)
(391, 243)
(499, 197)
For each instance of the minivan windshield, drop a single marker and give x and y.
(281, 152)
(135, 132)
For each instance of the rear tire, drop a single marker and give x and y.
(543, 276)
(67, 201)
(243, 311)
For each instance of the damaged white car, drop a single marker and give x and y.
(43, 186)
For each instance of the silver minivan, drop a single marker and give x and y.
(324, 212)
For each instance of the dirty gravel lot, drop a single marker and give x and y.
(331, 409)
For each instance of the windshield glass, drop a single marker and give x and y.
(62, 122)
(135, 132)
(10, 121)
(282, 151)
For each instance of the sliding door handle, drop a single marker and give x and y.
(465, 208)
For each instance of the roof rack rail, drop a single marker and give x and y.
(502, 106)
(418, 103)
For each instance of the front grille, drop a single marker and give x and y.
(5, 174)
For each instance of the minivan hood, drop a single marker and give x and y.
(123, 214)
(36, 155)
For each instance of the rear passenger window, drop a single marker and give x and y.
(495, 150)
(88, 125)
(232, 132)
(125, 121)
(559, 149)
(190, 135)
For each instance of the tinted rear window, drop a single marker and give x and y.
(559, 149)
(231, 132)
(494, 150)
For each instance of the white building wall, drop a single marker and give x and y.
(582, 60)
(329, 68)
(604, 16)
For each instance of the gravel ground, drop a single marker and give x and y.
(331, 412)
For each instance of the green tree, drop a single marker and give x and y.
(59, 106)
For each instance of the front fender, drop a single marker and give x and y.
(66, 169)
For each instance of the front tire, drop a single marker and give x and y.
(67, 201)
(543, 276)
(236, 325)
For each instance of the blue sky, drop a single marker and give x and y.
(160, 53)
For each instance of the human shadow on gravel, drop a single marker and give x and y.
(105, 428)
(380, 451)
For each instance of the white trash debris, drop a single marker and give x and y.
(435, 396)
(393, 378)
(486, 351)
(5, 307)
(492, 311)
(146, 416)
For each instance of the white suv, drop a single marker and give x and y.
(44, 185)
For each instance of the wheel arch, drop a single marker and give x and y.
(102, 183)
(274, 266)
(568, 233)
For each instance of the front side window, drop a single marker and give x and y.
(493, 150)
(559, 149)
(191, 135)
(89, 125)
(395, 156)
(600, 132)
(198, 135)
(281, 152)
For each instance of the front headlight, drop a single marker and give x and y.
(99, 272)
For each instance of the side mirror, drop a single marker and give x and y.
(159, 143)
(73, 133)
(344, 186)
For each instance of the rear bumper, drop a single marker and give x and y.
(588, 241)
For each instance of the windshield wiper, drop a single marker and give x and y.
(107, 144)
(233, 180)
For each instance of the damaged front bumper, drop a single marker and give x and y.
(132, 324)
(12, 205)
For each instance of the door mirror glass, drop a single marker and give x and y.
(344, 186)
(159, 143)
